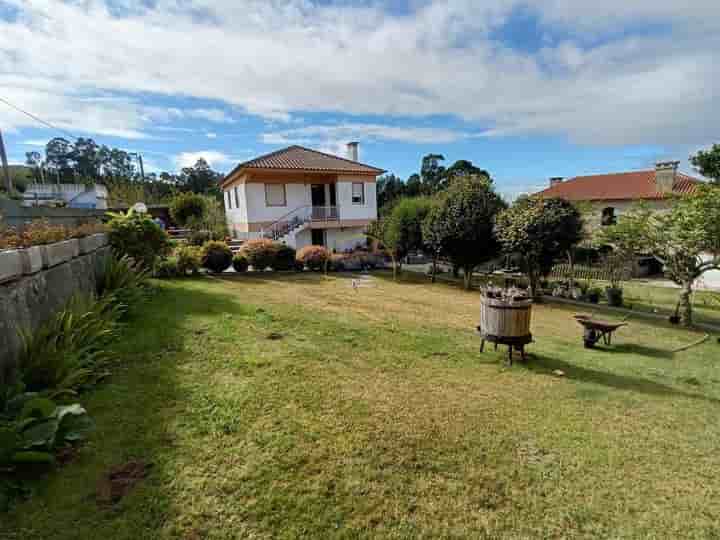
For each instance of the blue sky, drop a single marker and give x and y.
(526, 90)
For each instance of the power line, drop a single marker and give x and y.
(37, 119)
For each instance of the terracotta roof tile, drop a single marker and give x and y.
(617, 186)
(300, 158)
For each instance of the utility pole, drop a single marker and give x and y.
(142, 169)
(6, 169)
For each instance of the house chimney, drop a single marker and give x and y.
(352, 150)
(665, 173)
(556, 180)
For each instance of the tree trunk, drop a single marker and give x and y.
(456, 271)
(685, 304)
(433, 272)
(533, 280)
(467, 278)
(394, 265)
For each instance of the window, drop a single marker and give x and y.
(608, 217)
(227, 200)
(237, 197)
(275, 195)
(358, 193)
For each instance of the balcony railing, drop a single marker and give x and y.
(324, 213)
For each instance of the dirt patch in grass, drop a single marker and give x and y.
(120, 480)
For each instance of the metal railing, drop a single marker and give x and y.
(324, 213)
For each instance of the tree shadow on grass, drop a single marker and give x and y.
(133, 412)
(546, 365)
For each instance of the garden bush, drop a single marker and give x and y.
(200, 238)
(240, 263)
(216, 256)
(260, 253)
(189, 259)
(337, 262)
(187, 207)
(139, 237)
(167, 268)
(314, 257)
(284, 258)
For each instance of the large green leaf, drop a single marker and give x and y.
(16, 404)
(41, 434)
(38, 407)
(75, 409)
(32, 457)
(75, 428)
(9, 441)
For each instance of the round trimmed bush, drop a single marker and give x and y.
(260, 253)
(314, 257)
(240, 263)
(337, 262)
(284, 258)
(216, 256)
(189, 259)
(139, 237)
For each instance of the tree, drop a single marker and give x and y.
(539, 231)
(686, 239)
(404, 225)
(58, 156)
(460, 224)
(462, 167)
(200, 178)
(187, 209)
(432, 173)
(390, 188)
(85, 155)
(34, 160)
(707, 162)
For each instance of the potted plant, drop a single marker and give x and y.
(593, 295)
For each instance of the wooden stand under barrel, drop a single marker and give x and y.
(505, 323)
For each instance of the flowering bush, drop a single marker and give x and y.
(314, 257)
(41, 232)
(189, 259)
(260, 253)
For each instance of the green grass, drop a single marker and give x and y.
(375, 416)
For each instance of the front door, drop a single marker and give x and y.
(318, 237)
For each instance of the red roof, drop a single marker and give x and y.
(617, 186)
(300, 158)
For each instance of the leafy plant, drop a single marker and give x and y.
(186, 207)
(61, 354)
(124, 282)
(189, 259)
(216, 256)
(240, 263)
(199, 238)
(167, 268)
(260, 253)
(314, 257)
(136, 235)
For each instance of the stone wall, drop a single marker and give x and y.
(37, 282)
(12, 214)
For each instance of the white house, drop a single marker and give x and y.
(71, 195)
(302, 197)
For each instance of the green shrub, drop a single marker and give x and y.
(61, 354)
(138, 236)
(167, 268)
(189, 259)
(124, 282)
(240, 263)
(216, 256)
(337, 262)
(284, 258)
(314, 257)
(187, 207)
(260, 253)
(200, 238)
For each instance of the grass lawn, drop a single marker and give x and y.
(292, 406)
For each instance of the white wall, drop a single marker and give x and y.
(335, 239)
(348, 210)
(296, 195)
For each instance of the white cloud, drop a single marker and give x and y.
(606, 84)
(35, 142)
(215, 159)
(211, 135)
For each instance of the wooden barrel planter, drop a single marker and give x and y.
(505, 322)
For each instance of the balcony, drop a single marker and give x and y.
(324, 213)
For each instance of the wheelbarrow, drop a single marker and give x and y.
(596, 330)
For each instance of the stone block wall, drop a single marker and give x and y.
(32, 296)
